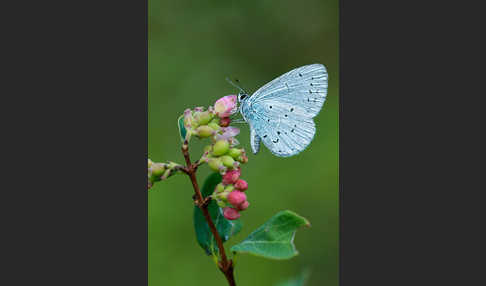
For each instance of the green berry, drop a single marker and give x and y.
(214, 164)
(229, 189)
(227, 161)
(235, 152)
(203, 118)
(215, 120)
(221, 204)
(220, 147)
(154, 178)
(204, 131)
(219, 188)
(158, 169)
(214, 126)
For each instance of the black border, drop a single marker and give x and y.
(75, 208)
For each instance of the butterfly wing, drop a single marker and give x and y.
(280, 113)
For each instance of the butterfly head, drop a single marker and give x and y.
(242, 96)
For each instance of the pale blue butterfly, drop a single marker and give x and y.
(281, 112)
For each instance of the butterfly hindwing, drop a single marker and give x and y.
(283, 135)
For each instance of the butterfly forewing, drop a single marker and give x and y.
(305, 88)
(281, 111)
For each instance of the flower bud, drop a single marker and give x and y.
(220, 147)
(202, 118)
(235, 152)
(236, 198)
(242, 159)
(158, 169)
(224, 122)
(221, 204)
(204, 131)
(230, 213)
(231, 176)
(207, 148)
(215, 163)
(189, 121)
(222, 196)
(229, 189)
(219, 188)
(227, 161)
(215, 126)
(225, 106)
(241, 185)
(243, 206)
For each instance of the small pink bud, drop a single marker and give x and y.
(224, 122)
(241, 185)
(225, 106)
(231, 213)
(243, 206)
(243, 159)
(231, 176)
(236, 198)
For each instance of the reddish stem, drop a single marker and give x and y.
(225, 265)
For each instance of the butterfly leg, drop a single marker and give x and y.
(238, 121)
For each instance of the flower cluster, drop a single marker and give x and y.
(160, 171)
(229, 194)
(222, 155)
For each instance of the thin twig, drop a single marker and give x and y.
(225, 265)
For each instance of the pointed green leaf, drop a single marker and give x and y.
(226, 228)
(275, 238)
(182, 128)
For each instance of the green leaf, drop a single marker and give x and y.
(226, 228)
(297, 281)
(275, 238)
(182, 128)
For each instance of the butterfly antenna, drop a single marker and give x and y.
(235, 85)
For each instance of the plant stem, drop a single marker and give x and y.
(225, 265)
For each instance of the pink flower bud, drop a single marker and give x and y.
(231, 213)
(243, 206)
(243, 159)
(189, 121)
(236, 198)
(241, 185)
(231, 176)
(225, 106)
(224, 122)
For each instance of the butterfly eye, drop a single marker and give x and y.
(242, 96)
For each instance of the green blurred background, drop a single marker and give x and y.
(193, 46)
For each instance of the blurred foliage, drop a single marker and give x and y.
(193, 46)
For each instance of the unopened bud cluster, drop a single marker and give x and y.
(222, 154)
(160, 171)
(229, 194)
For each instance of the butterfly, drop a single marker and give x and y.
(281, 112)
